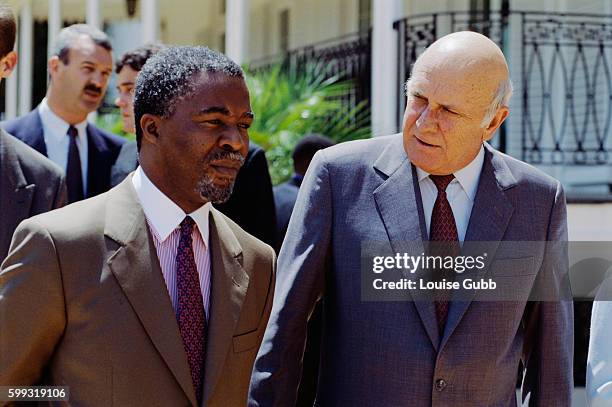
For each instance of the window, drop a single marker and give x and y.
(284, 30)
(222, 43)
(365, 15)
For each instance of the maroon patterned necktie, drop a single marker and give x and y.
(190, 312)
(443, 229)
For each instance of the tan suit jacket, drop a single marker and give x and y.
(83, 303)
(30, 184)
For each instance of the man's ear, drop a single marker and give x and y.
(8, 64)
(150, 125)
(53, 64)
(494, 124)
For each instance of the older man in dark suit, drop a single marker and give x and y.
(29, 183)
(79, 69)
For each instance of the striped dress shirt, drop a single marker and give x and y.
(163, 219)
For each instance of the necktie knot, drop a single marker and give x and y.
(187, 226)
(442, 181)
(73, 132)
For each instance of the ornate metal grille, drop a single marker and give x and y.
(562, 73)
(348, 57)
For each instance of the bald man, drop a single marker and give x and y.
(438, 187)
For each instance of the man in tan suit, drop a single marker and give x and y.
(29, 182)
(147, 295)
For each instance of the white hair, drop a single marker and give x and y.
(501, 99)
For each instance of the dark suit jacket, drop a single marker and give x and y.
(285, 195)
(29, 184)
(392, 353)
(103, 148)
(87, 280)
(252, 203)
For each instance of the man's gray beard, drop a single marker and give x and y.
(213, 193)
(206, 186)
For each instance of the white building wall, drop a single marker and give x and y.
(182, 24)
(310, 22)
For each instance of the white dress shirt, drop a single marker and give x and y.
(460, 193)
(57, 141)
(599, 361)
(164, 218)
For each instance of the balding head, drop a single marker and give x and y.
(477, 61)
(469, 48)
(457, 97)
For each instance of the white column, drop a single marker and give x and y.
(26, 33)
(92, 17)
(384, 66)
(10, 95)
(149, 15)
(236, 30)
(92, 13)
(54, 24)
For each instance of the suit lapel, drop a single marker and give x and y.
(137, 269)
(399, 203)
(229, 286)
(32, 133)
(96, 165)
(15, 191)
(489, 219)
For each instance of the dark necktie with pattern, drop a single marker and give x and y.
(190, 313)
(443, 229)
(74, 176)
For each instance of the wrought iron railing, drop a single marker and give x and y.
(347, 57)
(561, 66)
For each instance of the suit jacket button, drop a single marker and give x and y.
(441, 384)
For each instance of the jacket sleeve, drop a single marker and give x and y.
(299, 284)
(61, 194)
(32, 312)
(550, 341)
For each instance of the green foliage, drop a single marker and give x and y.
(114, 123)
(290, 104)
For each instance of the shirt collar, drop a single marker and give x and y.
(468, 177)
(57, 125)
(162, 213)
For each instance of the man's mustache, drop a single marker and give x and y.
(93, 88)
(225, 155)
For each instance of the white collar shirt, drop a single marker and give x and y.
(163, 219)
(57, 141)
(460, 193)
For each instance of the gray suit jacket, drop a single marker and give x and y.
(29, 184)
(83, 303)
(390, 353)
(127, 161)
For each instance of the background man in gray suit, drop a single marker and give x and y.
(439, 181)
(29, 183)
